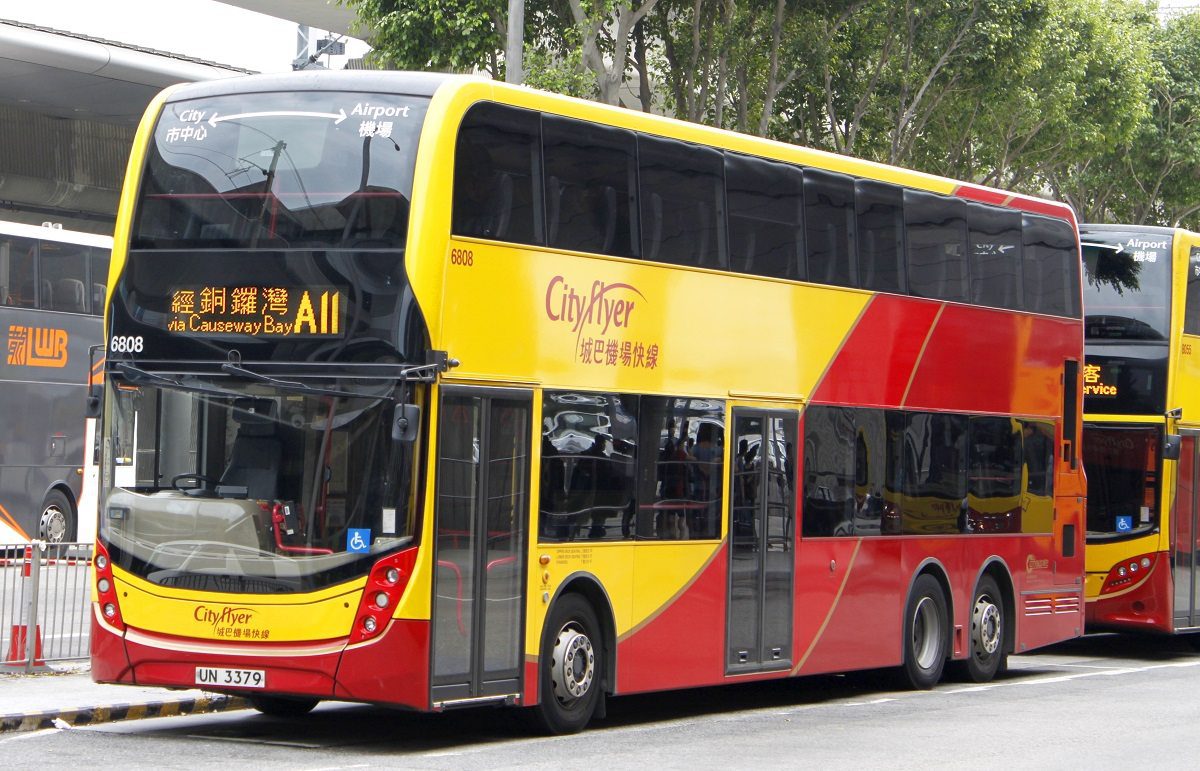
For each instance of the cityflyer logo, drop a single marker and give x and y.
(232, 623)
(1032, 564)
(37, 346)
(600, 317)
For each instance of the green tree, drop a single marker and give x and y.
(441, 35)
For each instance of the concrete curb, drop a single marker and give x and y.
(84, 716)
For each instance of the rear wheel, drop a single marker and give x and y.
(283, 706)
(926, 632)
(572, 663)
(57, 521)
(988, 654)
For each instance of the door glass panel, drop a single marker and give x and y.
(1185, 533)
(507, 472)
(745, 577)
(458, 475)
(780, 499)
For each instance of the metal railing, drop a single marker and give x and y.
(45, 604)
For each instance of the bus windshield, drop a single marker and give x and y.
(1127, 287)
(1122, 466)
(238, 488)
(274, 170)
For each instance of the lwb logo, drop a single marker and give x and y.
(37, 346)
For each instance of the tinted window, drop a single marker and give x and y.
(589, 187)
(99, 279)
(1051, 267)
(993, 475)
(1122, 472)
(995, 256)
(765, 204)
(682, 465)
(1191, 318)
(18, 286)
(1126, 380)
(828, 227)
(589, 458)
(935, 464)
(683, 203)
(63, 272)
(880, 221)
(936, 227)
(830, 485)
(497, 175)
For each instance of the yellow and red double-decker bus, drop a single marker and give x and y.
(443, 392)
(1141, 423)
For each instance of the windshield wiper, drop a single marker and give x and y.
(142, 374)
(416, 372)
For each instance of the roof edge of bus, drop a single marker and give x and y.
(1113, 227)
(427, 83)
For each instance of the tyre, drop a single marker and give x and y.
(926, 634)
(283, 706)
(57, 521)
(571, 667)
(988, 654)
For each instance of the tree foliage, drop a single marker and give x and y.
(1096, 102)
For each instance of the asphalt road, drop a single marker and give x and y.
(1100, 702)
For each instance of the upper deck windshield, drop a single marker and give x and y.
(271, 227)
(1127, 289)
(278, 170)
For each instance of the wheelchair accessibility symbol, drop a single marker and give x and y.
(1124, 524)
(358, 539)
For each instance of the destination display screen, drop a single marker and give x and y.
(1119, 380)
(271, 312)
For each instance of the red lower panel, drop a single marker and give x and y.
(1147, 606)
(393, 670)
(683, 646)
(109, 663)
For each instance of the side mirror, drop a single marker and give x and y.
(1170, 447)
(406, 419)
(94, 404)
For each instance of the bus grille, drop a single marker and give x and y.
(1050, 605)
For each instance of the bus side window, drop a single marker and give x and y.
(683, 198)
(880, 222)
(590, 202)
(497, 175)
(63, 270)
(1191, 313)
(16, 271)
(995, 256)
(829, 227)
(1050, 266)
(937, 245)
(766, 200)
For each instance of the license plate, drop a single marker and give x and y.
(231, 678)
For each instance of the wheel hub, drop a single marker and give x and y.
(53, 524)
(985, 625)
(573, 664)
(926, 646)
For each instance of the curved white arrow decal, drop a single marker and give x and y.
(338, 116)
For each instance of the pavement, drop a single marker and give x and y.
(64, 696)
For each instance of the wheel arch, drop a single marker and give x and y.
(933, 567)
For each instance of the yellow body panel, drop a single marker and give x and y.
(243, 617)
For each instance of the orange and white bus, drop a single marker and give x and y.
(448, 393)
(1141, 425)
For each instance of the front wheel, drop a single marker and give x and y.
(926, 633)
(283, 706)
(988, 654)
(57, 522)
(572, 663)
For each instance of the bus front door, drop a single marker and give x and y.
(761, 540)
(1185, 535)
(480, 530)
